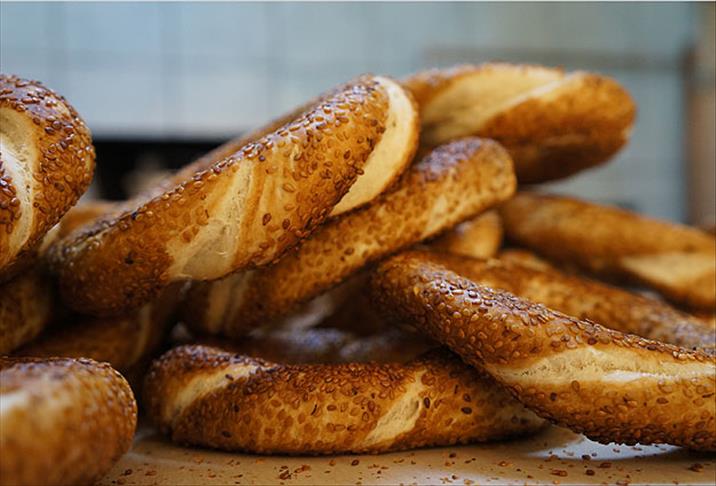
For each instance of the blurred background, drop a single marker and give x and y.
(160, 83)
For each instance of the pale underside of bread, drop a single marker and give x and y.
(678, 261)
(553, 124)
(242, 211)
(479, 237)
(608, 385)
(583, 298)
(46, 163)
(205, 396)
(454, 182)
(62, 421)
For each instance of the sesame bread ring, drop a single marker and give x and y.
(46, 164)
(675, 260)
(245, 210)
(479, 237)
(553, 123)
(205, 396)
(62, 421)
(611, 386)
(452, 183)
(582, 298)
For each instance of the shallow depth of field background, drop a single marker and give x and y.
(149, 75)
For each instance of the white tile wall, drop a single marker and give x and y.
(221, 31)
(215, 69)
(123, 102)
(221, 101)
(114, 28)
(25, 25)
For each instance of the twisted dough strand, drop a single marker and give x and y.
(678, 261)
(205, 396)
(242, 211)
(608, 385)
(377, 176)
(452, 183)
(553, 123)
(588, 299)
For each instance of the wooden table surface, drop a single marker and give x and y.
(555, 456)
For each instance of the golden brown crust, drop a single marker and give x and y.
(46, 163)
(26, 307)
(123, 342)
(678, 261)
(588, 299)
(524, 258)
(454, 182)
(427, 85)
(478, 237)
(83, 214)
(62, 421)
(553, 123)
(362, 191)
(245, 210)
(608, 385)
(253, 405)
(28, 302)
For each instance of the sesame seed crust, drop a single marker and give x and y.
(553, 123)
(215, 222)
(63, 421)
(610, 386)
(46, 164)
(387, 175)
(676, 260)
(327, 408)
(452, 183)
(583, 298)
